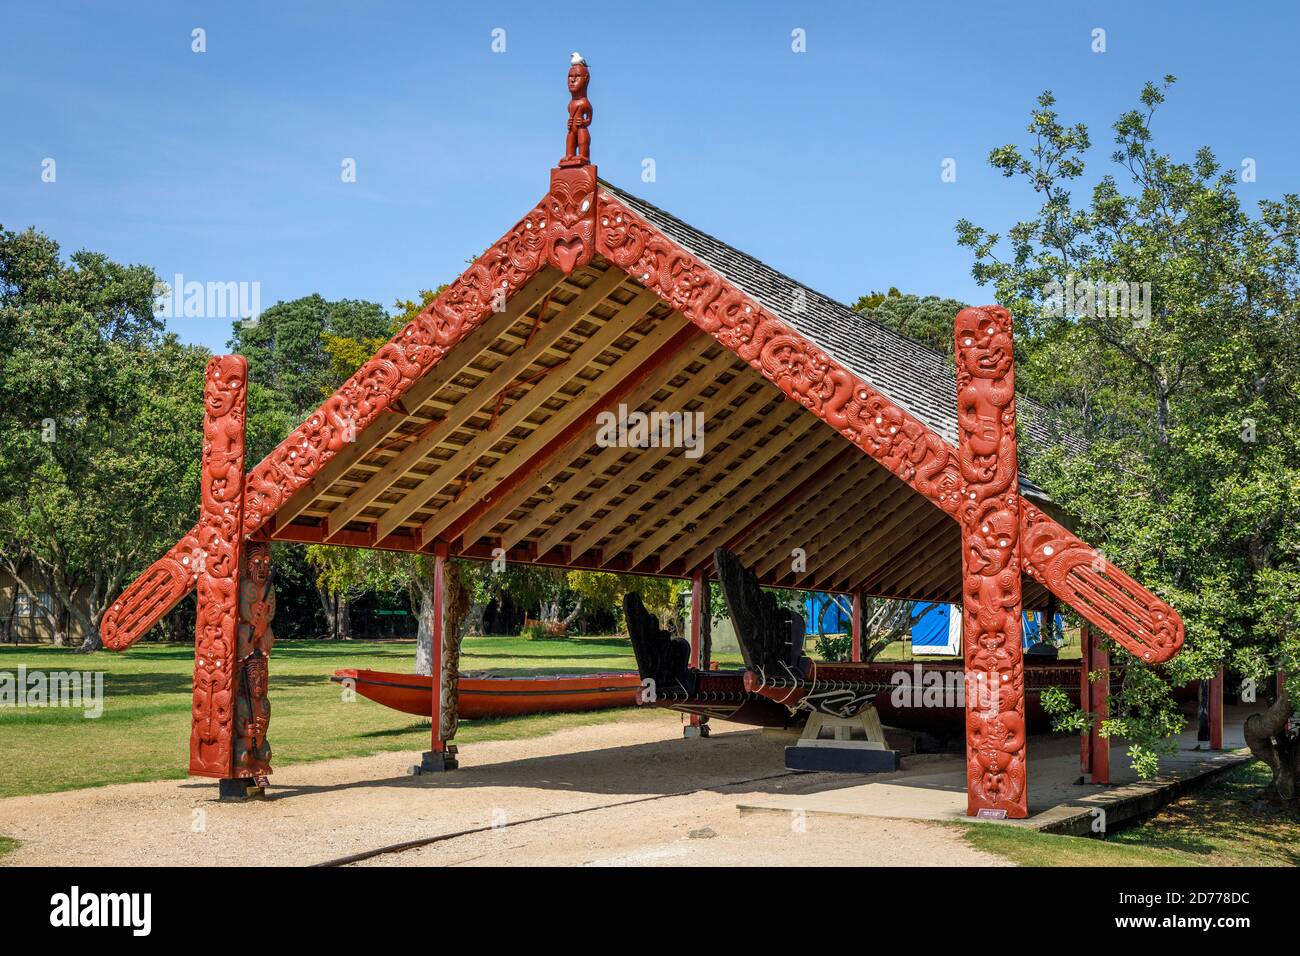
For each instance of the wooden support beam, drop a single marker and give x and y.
(776, 478)
(1216, 711)
(728, 431)
(838, 515)
(602, 461)
(452, 364)
(658, 347)
(855, 654)
(774, 515)
(698, 584)
(726, 484)
(1094, 699)
(486, 391)
(900, 559)
(450, 470)
(872, 520)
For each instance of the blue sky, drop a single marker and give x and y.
(225, 165)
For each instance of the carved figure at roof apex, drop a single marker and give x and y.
(577, 146)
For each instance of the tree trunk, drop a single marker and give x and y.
(474, 620)
(424, 627)
(1271, 740)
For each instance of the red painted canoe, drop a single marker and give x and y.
(498, 696)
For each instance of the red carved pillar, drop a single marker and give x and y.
(1094, 699)
(989, 514)
(1216, 711)
(220, 536)
(856, 655)
(252, 751)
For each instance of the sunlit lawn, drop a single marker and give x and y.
(144, 731)
(1214, 825)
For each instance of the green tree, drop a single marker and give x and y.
(1159, 319)
(291, 370)
(100, 417)
(927, 319)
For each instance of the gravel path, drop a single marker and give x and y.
(642, 796)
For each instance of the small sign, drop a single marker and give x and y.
(989, 814)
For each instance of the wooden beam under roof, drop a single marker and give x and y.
(599, 463)
(777, 477)
(451, 365)
(714, 405)
(792, 432)
(651, 353)
(549, 333)
(445, 472)
(679, 464)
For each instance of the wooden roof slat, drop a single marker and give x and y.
(646, 461)
(805, 522)
(777, 477)
(848, 549)
(420, 391)
(487, 388)
(792, 432)
(598, 465)
(646, 491)
(867, 522)
(572, 414)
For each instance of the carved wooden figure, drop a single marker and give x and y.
(990, 539)
(577, 144)
(252, 752)
(220, 537)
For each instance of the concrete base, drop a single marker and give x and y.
(841, 759)
(241, 788)
(433, 762)
(933, 787)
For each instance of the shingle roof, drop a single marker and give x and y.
(909, 372)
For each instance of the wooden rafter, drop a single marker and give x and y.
(448, 471)
(485, 391)
(727, 431)
(586, 401)
(790, 433)
(598, 463)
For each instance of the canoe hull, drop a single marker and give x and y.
(497, 696)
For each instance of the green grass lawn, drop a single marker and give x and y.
(143, 733)
(1215, 825)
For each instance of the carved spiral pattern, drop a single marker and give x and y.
(220, 537)
(990, 559)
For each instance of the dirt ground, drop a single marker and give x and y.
(620, 794)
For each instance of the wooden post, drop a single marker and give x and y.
(697, 726)
(1216, 711)
(438, 757)
(1094, 698)
(856, 625)
(1085, 702)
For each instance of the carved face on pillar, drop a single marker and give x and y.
(993, 543)
(984, 342)
(571, 219)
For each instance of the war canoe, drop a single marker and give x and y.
(497, 696)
